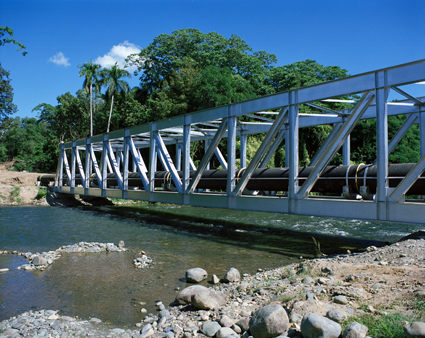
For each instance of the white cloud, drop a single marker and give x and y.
(423, 82)
(60, 60)
(118, 54)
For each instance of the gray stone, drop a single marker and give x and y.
(243, 323)
(315, 326)
(118, 330)
(196, 275)
(164, 314)
(341, 300)
(295, 317)
(210, 328)
(232, 275)
(307, 280)
(236, 328)
(269, 321)
(95, 320)
(215, 279)
(185, 296)
(355, 330)
(225, 321)
(225, 332)
(208, 299)
(309, 296)
(245, 313)
(121, 244)
(415, 330)
(336, 316)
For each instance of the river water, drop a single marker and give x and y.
(107, 286)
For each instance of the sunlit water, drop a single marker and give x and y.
(107, 286)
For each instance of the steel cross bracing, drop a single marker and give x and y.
(277, 116)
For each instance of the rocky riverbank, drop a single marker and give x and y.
(319, 295)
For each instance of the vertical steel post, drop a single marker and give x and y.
(422, 131)
(243, 139)
(87, 166)
(59, 174)
(186, 156)
(286, 145)
(126, 155)
(152, 157)
(104, 164)
(346, 154)
(231, 150)
(381, 143)
(292, 151)
(178, 156)
(207, 143)
(73, 162)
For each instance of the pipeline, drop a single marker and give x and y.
(332, 180)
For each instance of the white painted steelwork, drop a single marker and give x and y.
(278, 116)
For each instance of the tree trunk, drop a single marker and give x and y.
(110, 113)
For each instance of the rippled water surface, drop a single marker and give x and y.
(107, 286)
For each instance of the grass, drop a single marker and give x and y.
(42, 193)
(2, 197)
(316, 243)
(15, 193)
(383, 326)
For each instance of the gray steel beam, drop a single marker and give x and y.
(231, 151)
(73, 162)
(168, 162)
(201, 168)
(139, 163)
(292, 153)
(115, 167)
(397, 194)
(276, 143)
(80, 167)
(335, 144)
(259, 154)
(243, 139)
(186, 157)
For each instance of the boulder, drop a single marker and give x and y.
(336, 316)
(196, 275)
(415, 329)
(208, 299)
(315, 326)
(269, 321)
(355, 330)
(341, 300)
(225, 332)
(232, 275)
(185, 296)
(210, 328)
(243, 323)
(39, 260)
(215, 279)
(225, 321)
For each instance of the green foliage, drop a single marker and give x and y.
(316, 243)
(15, 193)
(5, 40)
(7, 107)
(42, 193)
(382, 326)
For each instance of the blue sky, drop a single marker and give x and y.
(60, 35)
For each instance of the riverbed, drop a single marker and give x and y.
(107, 286)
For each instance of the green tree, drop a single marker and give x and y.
(158, 63)
(5, 40)
(91, 73)
(111, 78)
(7, 107)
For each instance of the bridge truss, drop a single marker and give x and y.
(278, 116)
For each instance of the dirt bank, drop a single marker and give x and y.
(19, 188)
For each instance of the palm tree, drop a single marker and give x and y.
(111, 79)
(91, 72)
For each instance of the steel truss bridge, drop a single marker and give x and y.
(114, 167)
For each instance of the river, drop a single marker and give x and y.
(107, 286)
